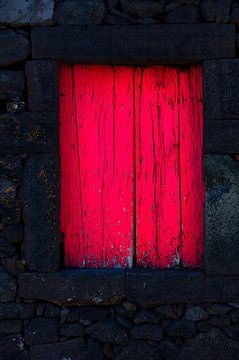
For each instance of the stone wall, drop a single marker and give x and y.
(48, 313)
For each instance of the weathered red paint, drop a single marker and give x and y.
(131, 166)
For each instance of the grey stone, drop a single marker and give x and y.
(25, 13)
(142, 8)
(81, 287)
(221, 214)
(12, 348)
(188, 14)
(218, 11)
(72, 330)
(72, 349)
(109, 332)
(138, 350)
(195, 313)
(212, 345)
(8, 288)
(84, 12)
(7, 193)
(145, 316)
(28, 133)
(126, 44)
(40, 205)
(42, 81)
(14, 233)
(11, 167)
(42, 331)
(14, 47)
(221, 89)
(52, 310)
(147, 331)
(11, 84)
(180, 328)
(129, 305)
(10, 326)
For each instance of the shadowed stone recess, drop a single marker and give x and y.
(14, 47)
(221, 214)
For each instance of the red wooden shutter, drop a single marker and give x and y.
(131, 166)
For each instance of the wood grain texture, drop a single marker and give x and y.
(191, 166)
(103, 163)
(157, 168)
(131, 165)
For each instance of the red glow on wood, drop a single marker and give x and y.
(131, 166)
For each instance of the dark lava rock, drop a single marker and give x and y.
(184, 15)
(232, 331)
(210, 346)
(8, 288)
(15, 311)
(14, 48)
(142, 8)
(145, 316)
(195, 313)
(138, 350)
(147, 331)
(94, 350)
(12, 348)
(218, 11)
(7, 193)
(10, 326)
(121, 310)
(84, 12)
(72, 349)
(165, 312)
(127, 323)
(11, 216)
(168, 350)
(108, 331)
(14, 233)
(72, 329)
(6, 247)
(42, 331)
(180, 328)
(235, 316)
(89, 313)
(52, 310)
(11, 84)
(219, 309)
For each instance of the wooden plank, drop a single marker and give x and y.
(157, 167)
(191, 168)
(104, 143)
(71, 220)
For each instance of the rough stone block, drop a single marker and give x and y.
(25, 13)
(142, 8)
(10, 326)
(42, 80)
(8, 288)
(108, 332)
(72, 349)
(8, 191)
(78, 287)
(218, 11)
(16, 311)
(126, 44)
(11, 84)
(221, 215)
(11, 167)
(152, 288)
(84, 12)
(221, 89)
(221, 136)
(42, 331)
(14, 47)
(28, 133)
(12, 347)
(188, 14)
(212, 345)
(41, 206)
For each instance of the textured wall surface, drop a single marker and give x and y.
(48, 313)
